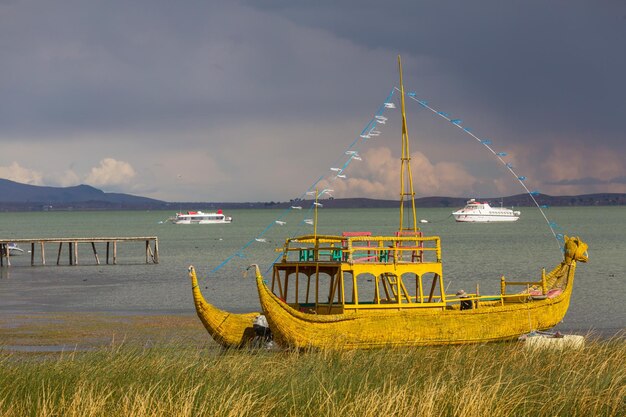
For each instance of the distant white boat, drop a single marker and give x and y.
(199, 217)
(477, 212)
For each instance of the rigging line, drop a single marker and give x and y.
(368, 128)
(355, 144)
(458, 124)
(359, 140)
(301, 224)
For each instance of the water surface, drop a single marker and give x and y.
(471, 253)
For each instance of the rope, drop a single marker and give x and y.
(338, 168)
(341, 164)
(499, 155)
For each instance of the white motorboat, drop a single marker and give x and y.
(477, 212)
(199, 217)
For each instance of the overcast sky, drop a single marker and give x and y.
(256, 100)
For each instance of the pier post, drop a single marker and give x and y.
(156, 251)
(43, 254)
(59, 254)
(2, 245)
(115, 252)
(75, 253)
(32, 253)
(147, 250)
(108, 244)
(93, 246)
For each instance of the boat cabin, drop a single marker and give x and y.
(356, 271)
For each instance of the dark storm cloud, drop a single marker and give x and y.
(100, 64)
(113, 65)
(539, 65)
(214, 90)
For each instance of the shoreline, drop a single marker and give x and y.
(55, 332)
(25, 332)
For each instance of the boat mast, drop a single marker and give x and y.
(405, 166)
(315, 215)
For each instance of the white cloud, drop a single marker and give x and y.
(110, 172)
(378, 176)
(65, 179)
(15, 172)
(582, 161)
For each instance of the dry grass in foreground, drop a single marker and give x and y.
(178, 379)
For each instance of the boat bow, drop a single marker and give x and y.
(228, 329)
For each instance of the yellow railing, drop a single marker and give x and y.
(543, 283)
(351, 249)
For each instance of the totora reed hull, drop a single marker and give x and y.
(491, 321)
(227, 329)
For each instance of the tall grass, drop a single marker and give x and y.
(182, 380)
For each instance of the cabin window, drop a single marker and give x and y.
(410, 287)
(307, 287)
(365, 291)
(432, 287)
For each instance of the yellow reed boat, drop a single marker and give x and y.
(227, 329)
(381, 300)
(362, 291)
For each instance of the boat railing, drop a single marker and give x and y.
(362, 248)
(543, 284)
(474, 301)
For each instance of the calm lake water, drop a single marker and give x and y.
(472, 253)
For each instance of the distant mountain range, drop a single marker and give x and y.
(18, 197)
(15, 196)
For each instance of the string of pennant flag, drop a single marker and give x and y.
(338, 170)
(555, 229)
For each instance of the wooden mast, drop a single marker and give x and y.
(405, 168)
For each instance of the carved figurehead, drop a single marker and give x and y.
(575, 250)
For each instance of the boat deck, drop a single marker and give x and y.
(360, 272)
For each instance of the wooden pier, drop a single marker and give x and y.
(151, 248)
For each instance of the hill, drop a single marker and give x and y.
(15, 196)
(519, 200)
